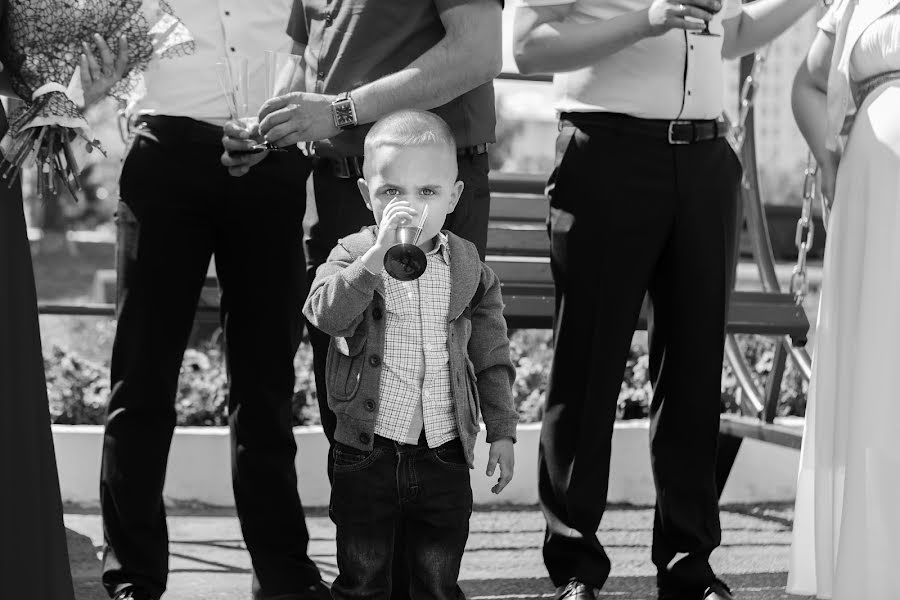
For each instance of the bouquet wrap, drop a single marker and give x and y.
(40, 46)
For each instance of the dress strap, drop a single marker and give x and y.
(867, 86)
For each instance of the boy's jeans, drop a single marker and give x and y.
(426, 490)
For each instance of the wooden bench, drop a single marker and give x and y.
(518, 250)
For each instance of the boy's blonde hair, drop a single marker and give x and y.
(409, 127)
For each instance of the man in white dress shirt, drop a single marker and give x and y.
(643, 199)
(178, 207)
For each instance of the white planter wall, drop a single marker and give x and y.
(199, 469)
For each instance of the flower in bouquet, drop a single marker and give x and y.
(41, 48)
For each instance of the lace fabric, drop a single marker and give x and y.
(40, 46)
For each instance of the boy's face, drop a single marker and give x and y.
(424, 176)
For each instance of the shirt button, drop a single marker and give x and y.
(233, 49)
(364, 438)
(370, 405)
(375, 360)
(328, 20)
(321, 74)
(227, 13)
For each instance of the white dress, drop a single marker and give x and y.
(846, 540)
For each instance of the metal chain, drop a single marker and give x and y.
(747, 98)
(806, 230)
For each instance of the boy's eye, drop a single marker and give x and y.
(392, 192)
(428, 192)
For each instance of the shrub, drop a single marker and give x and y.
(78, 389)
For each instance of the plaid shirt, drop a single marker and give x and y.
(415, 378)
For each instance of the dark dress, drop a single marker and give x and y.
(33, 555)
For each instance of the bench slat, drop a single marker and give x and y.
(519, 207)
(739, 426)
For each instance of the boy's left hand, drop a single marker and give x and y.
(502, 453)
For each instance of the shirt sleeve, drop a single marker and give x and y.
(518, 3)
(297, 24)
(832, 17)
(443, 5)
(731, 9)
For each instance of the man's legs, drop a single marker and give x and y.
(689, 293)
(164, 246)
(259, 261)
(611, 207)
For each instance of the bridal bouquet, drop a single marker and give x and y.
(41, 47)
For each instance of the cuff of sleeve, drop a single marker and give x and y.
(358, 276)
(497, 430)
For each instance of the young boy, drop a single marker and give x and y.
(411, 366)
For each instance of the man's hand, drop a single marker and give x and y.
(664, 15)
(297, 117)
(501, 453)
(238, 139)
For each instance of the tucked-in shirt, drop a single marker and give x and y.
(415, 377)
(187, 86)
(353, 42)
(673, 76)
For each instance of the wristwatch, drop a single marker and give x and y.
(343, 111)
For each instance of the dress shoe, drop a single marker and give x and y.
(134, 592)
(717, 591)
(575, 590)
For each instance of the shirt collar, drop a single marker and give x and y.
(441, 247)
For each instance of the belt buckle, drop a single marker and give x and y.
(671, 131)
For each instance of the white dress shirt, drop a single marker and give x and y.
(187, 86)
(673, 76)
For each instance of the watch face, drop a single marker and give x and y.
(343, 113)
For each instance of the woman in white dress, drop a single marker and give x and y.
(846, 542)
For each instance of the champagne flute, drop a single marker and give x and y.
(405, 261)
(284, 74)
(706, 31)
(234, 79)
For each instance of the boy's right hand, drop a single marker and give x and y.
(396, 214)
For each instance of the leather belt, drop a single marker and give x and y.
(176, 130)
(351, 167)
(676, 132)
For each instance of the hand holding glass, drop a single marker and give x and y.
(234, 79)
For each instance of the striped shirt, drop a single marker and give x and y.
(415, 376)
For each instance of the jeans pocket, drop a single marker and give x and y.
(347, 459)
(451, 455)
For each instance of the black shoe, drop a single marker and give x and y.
(575, 590)
(717, 591)
(317, 591)
(134, 592)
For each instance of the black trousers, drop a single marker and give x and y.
(178, 207)
(631, 215)
(340, 211)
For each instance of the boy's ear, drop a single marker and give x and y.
(455, 195)
(364, 191)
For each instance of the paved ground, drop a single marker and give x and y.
(503, 560)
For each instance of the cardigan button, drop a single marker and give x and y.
(364, 438)
(375, 360)
(370, 405)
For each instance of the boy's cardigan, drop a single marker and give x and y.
(347, 302)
